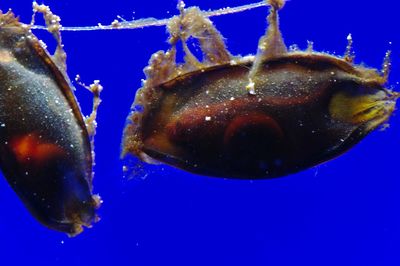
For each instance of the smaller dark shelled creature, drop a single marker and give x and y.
(262, 116)
(46, 146)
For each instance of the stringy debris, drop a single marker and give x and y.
(95, 88)
(152, 22)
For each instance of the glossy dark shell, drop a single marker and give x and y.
(265, 116)
(45, 151)
(207, 123)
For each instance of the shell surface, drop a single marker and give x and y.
(45, 149)
(270, 115)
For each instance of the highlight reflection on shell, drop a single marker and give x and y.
(270, 115)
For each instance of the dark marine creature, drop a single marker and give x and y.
(45, 145)
(266, 116)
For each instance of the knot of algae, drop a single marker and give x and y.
(8, 19)
(276, 4)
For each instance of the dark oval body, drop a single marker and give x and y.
(45, 152)
(262, 116)
(207, 123)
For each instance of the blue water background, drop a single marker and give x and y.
(344, 212)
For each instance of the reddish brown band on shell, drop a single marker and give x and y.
(254, 117)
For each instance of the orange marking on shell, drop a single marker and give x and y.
(31, 147)
(258, 120)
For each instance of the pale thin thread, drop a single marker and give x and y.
(153, 22)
